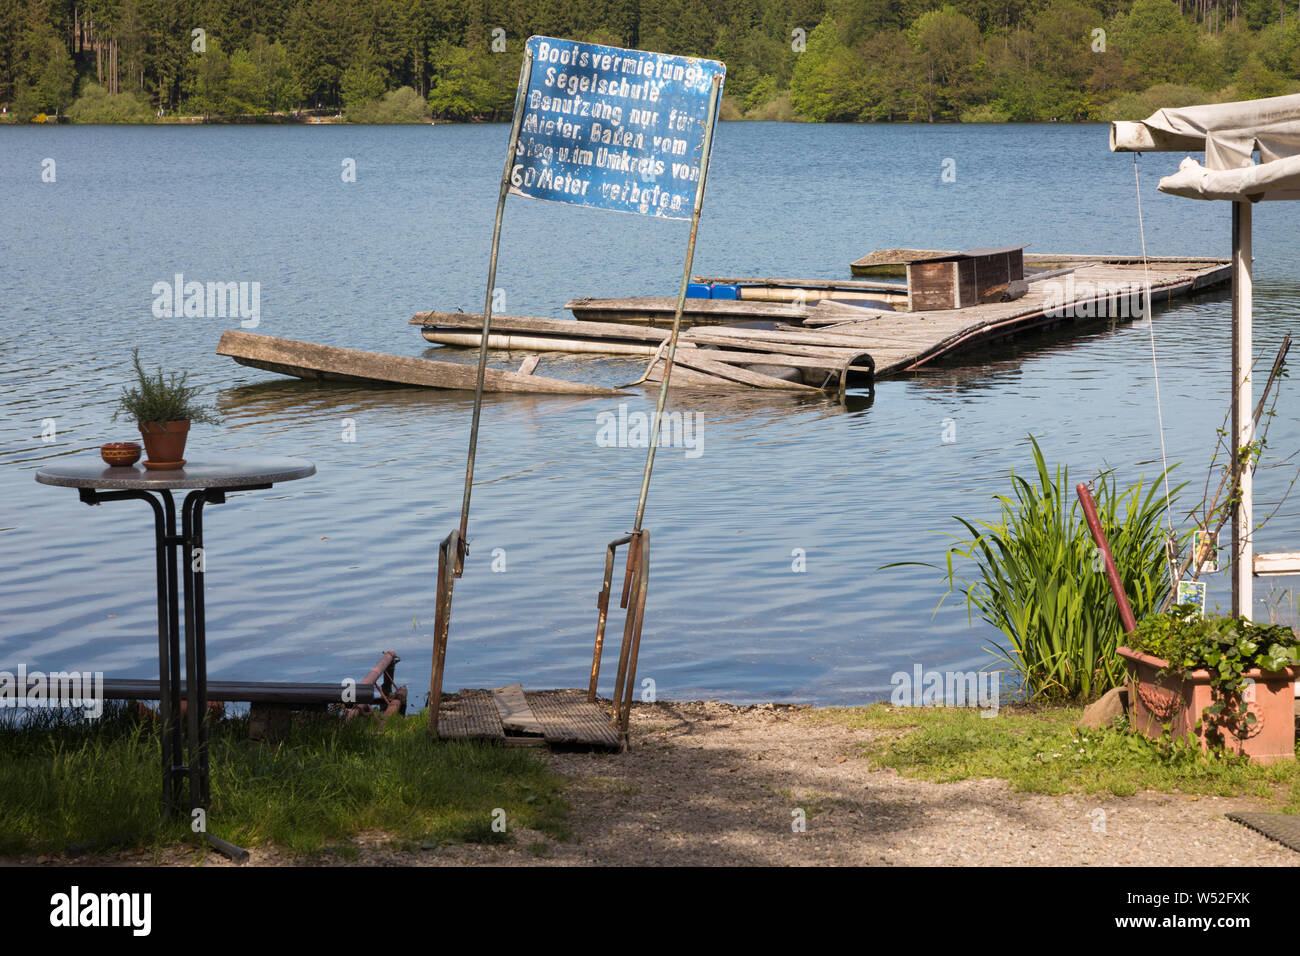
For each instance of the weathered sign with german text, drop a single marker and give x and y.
(613, 128)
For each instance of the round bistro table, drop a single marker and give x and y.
(206, 482)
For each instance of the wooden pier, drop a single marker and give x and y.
(828, 344)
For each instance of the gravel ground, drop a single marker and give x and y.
(714, 784)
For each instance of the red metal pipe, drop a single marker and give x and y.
(388, 659)
(1112, 574)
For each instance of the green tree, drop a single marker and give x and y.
(244, 93)
(462, 87)
(46, 73)
(1156, 39)
(279, 90)
(208, 85)
(97, 105)
(361, 83)
(948, 45)
(829, 80)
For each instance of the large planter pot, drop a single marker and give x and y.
(1179, 699)
(164, 443)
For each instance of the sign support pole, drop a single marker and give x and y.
(681, 302)
(1243, 437)
(454, 548)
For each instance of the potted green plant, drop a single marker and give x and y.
(163, 407)
(1226, 681)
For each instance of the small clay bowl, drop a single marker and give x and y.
(120, 454)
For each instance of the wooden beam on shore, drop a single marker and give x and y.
(309, 360)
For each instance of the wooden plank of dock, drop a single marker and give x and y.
(831, 285)
(888, 339)
(893, 262)
(653, 309)
(534, 333)
(312, 361)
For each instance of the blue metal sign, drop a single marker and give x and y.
(613, 128)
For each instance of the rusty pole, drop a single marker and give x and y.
(1112, 573)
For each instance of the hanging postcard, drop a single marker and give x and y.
(1192, 592)
(613, 128)
(1207, 552)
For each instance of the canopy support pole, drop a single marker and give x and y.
(1243, 437)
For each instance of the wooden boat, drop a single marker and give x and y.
(308, 360)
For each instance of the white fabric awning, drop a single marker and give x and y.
(1229, 134)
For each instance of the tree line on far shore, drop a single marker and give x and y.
(816, 60)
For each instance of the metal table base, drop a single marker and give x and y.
(193, 743)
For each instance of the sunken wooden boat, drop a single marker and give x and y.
(308, 360)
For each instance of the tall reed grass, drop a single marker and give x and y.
(1039, 578)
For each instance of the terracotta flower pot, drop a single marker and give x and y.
(164, 443)
(1179, 699)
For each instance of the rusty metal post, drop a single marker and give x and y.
(441, 625)
(637, 614)
(602, 604)
(625, 681)
(1112, 573)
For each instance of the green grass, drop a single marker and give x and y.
(66, 784)
(1039, 749)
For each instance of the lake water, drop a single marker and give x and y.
(311, 580)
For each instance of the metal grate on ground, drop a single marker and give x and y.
(470, 715)
(1282, 827)
(568, 719)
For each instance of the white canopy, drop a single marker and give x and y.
(1229, 133)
